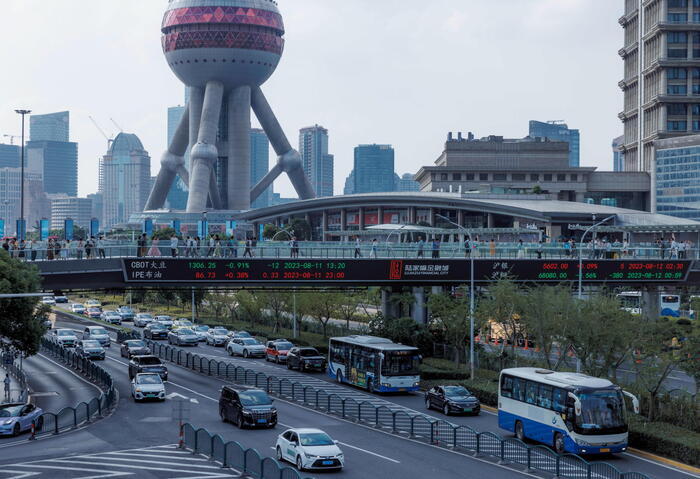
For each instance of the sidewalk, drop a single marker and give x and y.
(16, 392)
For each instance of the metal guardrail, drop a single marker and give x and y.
(418, 427)
(85, 412)
(233, 455)
(21, 379)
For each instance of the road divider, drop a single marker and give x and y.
(418, 427)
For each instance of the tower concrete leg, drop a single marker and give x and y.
(204, 154)
(172, 163)
(239, 167)
(214, 193)
(289, 160)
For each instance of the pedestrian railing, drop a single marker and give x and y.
(85, 412)
(400, 422)
(21, 379)
(233, 455)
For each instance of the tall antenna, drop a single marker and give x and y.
(117, 125)
(109, 140)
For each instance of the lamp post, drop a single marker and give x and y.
(21, 234)
(471, 298)
(580, 253)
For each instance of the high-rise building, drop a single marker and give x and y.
(50, 127)
(97, 206)
(177, 198)
(374, 169)
(618, 155)
(350, 184)
(407, 183)
(558, 131)
(677, 193)
(67, 207)
(661, 55)
(10, 197)
(260, 165)
(9, 156)
(318, 164)
(127, 179)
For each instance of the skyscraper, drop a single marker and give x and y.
(66, 207)
(127, 179)
(374, 169)
(407, 183)
(557, 131)
(350, 184)
(661, 79)
(9, 156)
(618, 155)
(177, 198)
(318, 164)
(260, 165)
(50, 153)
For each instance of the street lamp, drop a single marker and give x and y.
(21, 233)
(580, 253)
(471, 298)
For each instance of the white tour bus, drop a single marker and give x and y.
(631, 302)
(373, 363)
(571, 412)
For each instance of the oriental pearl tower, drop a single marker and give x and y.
(223, 50)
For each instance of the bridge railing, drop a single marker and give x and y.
(330, 250)
(400, 422)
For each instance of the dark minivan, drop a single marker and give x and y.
(147, 364)
(247, 408)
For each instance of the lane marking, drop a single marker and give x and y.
(72, 372)
(86, 462)
(63, 468)
(663, 462)
(369, 452)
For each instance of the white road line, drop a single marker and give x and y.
(370, 453)
(155, 455)
(72, 372)
(659, 464)
(22, 474)
(130, 461)
(104, 474)
(135, 466)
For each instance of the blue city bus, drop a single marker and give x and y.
(570, 412)
(375, 364)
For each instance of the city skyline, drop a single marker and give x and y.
(137, 105)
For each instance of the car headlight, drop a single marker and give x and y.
(416, 384)
(8, 422)
(310, 456)
(246, 413)
(138, 390)
(386, 385)
(340, 456)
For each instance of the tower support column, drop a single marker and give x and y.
(239, 149)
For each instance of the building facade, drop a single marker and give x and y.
(260, 165)
(127, 179)
(373, 169)
(407, 183)
(57, 162)
(318, 163)
(678, 177)
(618, 155)
(50, 127)
(66, 207)
(9, 156)
(558, 131)
(97, 206)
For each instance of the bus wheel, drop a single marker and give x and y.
(559, 444)
(519, 431)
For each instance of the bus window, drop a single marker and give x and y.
(507, 387)
(531, 393)
(544, 396)
(559, 402)
(519, 389)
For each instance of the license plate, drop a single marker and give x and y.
(605, 449)
(262, 421)
(327, 463)
(467, 409)
(402, 389)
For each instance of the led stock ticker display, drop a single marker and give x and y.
(383, 271)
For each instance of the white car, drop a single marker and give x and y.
(77, 308)
(309, 449)
(147, 386)
(143, 319)
(216, 336)
(50, 300)
(246, 347)
(64, 337)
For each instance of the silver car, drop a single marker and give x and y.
(111, 317)
(97, 333)
(65, 338)
(216, 337)
(201, 332)
(147, 386)
(246, 347)
(183, 337)
(142, 320)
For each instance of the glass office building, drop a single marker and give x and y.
(50, 127)
(678, 177)
(318, 164)
(9, 156)
(374, 169)
(557, 131)
(57, 162)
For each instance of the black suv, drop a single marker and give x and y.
(147, 364)
(251, 408)
(305, 359)
(133, 347)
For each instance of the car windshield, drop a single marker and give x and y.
(164, 318)
(94, 310)
(150, 361)
(10, 411)
(126, 309)
(186, 332)
(602, 409)
(202, 329)
(136, 344)
(401, 363)
(63, 332)
(284, 346)
(219, 332)
(308, 352)
(315, 439)
(148, 379)
(145, 316)
(98, 332)
(254, 398)
(78, 306)
(250, 341)
(91, 344)
(456, 392)
(243, 334)
(184, 322)
(156, 326)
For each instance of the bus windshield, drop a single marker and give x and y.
(400, 364)
(601, 410)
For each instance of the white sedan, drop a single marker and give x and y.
(310, 449)
(147, 386)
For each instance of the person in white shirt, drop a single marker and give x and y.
(174, 241)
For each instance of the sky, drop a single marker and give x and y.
(400, 72)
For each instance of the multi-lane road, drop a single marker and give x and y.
(138, 439)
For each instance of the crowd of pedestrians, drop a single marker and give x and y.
(55, 249)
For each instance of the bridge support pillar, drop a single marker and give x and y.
(419, 311)
(651, 307)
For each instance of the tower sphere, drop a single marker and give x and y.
(236, 42)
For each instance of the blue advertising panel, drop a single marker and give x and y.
(148, 227)
(94, 227)
(231, 228)
(260, 232)
(43, 229)
(2, 228)
(177, 226)
(68, 226)
(21, 229)
(203, 229)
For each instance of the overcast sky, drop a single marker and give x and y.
(403, 72)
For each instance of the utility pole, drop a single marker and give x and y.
(23, 225)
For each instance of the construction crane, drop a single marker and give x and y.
(117, 125)
(12, 138)
(109, 140)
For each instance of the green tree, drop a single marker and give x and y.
(323, 307)
(501, 310)
(451, 314)
(269, 231)
(301, 229)
(249, 306)
(347, 307)
(163, 234)
(277, 304)
(21, 322)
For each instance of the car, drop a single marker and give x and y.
(239, 334)
(141, 320)
(155, 331)
(166, 321)
(182, 323)
(90, 349)
(98, 333)
(252, 407)
(182, 337)
(246, 347)
(306, 359)
(147, 386)
(126, 313)
(277, 350)
(133, 347)
(111, 317)
(309, 449)
(48, 300)
(452, 400)
(216, 336)
(93, 313)
(77, 308)
(60, 299)
(147, 364)
(92, 303)
(201, 332)
(64, 337)
(16, 418)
